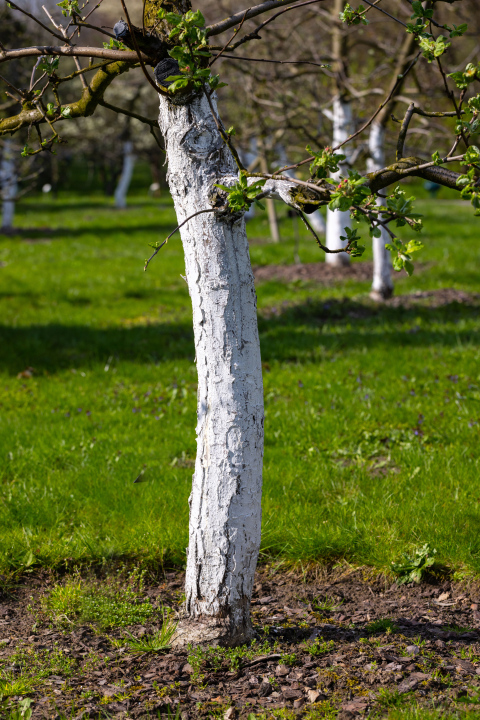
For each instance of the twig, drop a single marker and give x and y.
(277, 62)
(129, 113)
(137, 50)
(200, 212)
(403, 131)
(385, 13)
(39, 22)
(64, 33)
(254, 34)
(251, 12)
(235, 32)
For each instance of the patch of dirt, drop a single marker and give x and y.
(315, 272)
(428, 651)
(434, 298)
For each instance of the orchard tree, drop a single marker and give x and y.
(211, 191)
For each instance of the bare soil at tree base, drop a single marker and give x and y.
(344, 640)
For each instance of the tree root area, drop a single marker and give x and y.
(339, 643)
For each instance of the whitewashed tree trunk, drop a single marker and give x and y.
(125, 179)
(225, 503)
(337, 220)
(8, 184)
(382, 287)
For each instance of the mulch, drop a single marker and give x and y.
(320, 272)
(431, 654)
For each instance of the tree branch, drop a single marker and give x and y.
(85, 106)
(38, 50)
(229, 22)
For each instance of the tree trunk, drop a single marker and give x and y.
(382, 287)
(8, 185)
(338, 220)
(271, 212)
(225, 503)
(126, 176)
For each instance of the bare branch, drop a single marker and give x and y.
(83, 107)
(106, 53)
(229, 22)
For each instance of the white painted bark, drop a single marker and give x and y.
(126, 176)
(225, 503)
(338, 220)
(8, 184)
(382, 286)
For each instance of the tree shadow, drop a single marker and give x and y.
(41, 234)
(289, 335)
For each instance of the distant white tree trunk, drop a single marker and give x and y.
(248, 158)
(336, 219)
(225, 503)
(382, 287)
(121, 190)
(316, 218)
(8, 184)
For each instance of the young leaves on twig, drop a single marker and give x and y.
(241, 195)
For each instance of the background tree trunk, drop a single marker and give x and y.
(126, 176)
(338, 220)
(382, 286)
(225, 503)
(8, 184)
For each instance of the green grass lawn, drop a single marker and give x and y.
(372, 415)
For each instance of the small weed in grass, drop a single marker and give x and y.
(23, 711)
(383, 625)
(319, 647)
(412, 568)
(288, 659)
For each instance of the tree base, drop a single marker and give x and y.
(381, 295)
(213, 632)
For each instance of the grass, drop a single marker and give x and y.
(372, 415)
(118, 602)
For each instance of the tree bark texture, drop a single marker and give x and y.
(126, 177)
(338, 220)
(225, 503)
(382, 287)
(8, 184)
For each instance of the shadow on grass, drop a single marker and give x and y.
(37, 234)
(286, 336)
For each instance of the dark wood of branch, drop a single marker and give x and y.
(39, 22)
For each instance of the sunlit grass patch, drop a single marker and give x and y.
(116, 602)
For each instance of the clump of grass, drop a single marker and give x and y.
(11, 684)
(157, 642)
(116, 603)
(326, 606)
(382, 625)
(387, 698)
